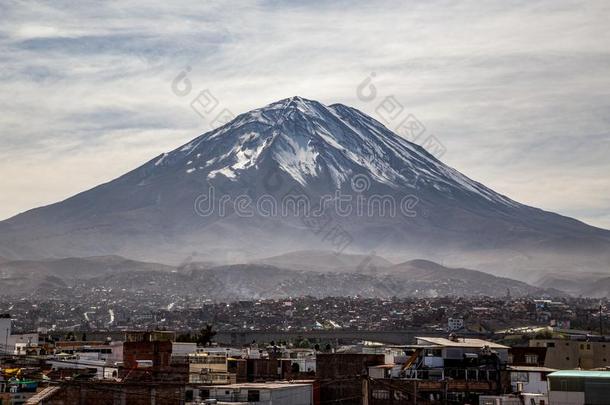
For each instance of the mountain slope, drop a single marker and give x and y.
(326, 261)
(26, 276)
(251, 281)
(296, 147)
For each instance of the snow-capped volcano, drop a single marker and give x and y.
(293, 147)
(312, 142)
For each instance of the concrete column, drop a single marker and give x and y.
(365, 391)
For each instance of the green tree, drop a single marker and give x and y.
(205, 336)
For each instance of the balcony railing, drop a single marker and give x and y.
(440, 374)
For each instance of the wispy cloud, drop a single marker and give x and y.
(518, 91)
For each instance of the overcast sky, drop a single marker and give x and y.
(518, 92)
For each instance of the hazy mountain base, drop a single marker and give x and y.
(339, 275)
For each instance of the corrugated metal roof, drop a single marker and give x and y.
(383, 366)
(462, 342)
(262, 385)
(42, 395)
(531, 368)
(580, 373)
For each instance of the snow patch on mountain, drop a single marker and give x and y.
(307, 139)
(298, 158)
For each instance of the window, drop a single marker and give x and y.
(571, 385)
(531, 358)
(519, 376)
(254, 395)
(453, 353)
(381, 394)
(510, 359)
(550, 344)
(204, 394)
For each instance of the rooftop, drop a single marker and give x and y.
(388, 366)
(531, 368)
(580, 374)
(262, 386)
(461, 342)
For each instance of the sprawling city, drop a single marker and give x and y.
(99, 346)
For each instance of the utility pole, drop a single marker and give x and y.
(601, 324)
(415, 392)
